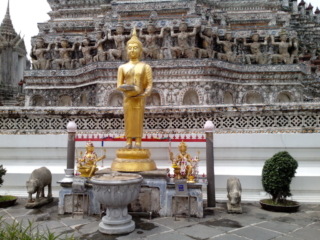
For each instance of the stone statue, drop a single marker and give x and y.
(135, 81)
(184, 166)
(39, 179)
(283, 56)
(152, 49)
(64, 62)
(101, 54)
(119, 40)
(183, 49)
(256, 53)
(38, 51)
(87, 165)
(227, 47)
(207, 41)
(86, 51)
(234, 195)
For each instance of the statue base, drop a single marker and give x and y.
(133, 160)
(42, 201)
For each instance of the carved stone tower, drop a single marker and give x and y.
(13, 60)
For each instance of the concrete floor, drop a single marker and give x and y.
(254, 224)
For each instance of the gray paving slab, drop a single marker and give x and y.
(88, 228)
(224, 224)
(200, 231)
(169, 236)
(172, 224)
(315, 225)
(66, 232)
(52, 224)
(302, 219)
(75, 222)
(246, 220)
(229, 237)
(256, 233)
(285, 238)
(306, 234)
(145, 229)
(279, 227)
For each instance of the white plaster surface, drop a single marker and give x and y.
(239, 155)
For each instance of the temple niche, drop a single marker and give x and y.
(154, 99)
(253, 98)
(38, 101)
(228, 98)
(83, 99)
(65, 101)
(190, 98)
(284, 97)
(116, 99)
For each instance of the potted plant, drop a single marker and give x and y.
(277, 174)
(5, 201)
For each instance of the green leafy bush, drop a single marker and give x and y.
(277, 174)
(2, 173)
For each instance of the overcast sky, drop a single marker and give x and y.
(25, 14)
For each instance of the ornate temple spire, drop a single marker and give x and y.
(6, 28)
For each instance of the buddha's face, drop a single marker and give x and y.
(39, 44)
(255, 37)
(119, 30)
(151, 29)
(228, 36)
(283, 37)
(64, 43)
(134, 50)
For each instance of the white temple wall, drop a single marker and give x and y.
(240, 155)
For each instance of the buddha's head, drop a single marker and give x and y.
(134, 46)
(183, 147)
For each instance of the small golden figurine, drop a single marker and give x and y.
(184, 166)
(87, 165)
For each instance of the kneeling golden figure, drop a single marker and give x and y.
(87, 165)
(135, 81)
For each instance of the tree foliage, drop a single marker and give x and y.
(277, 174)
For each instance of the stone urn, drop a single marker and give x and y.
(116, 191)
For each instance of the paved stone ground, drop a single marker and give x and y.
(254, 224)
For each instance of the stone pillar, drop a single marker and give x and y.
(71, 128)
(211, 191)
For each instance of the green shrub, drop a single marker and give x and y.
(2, 173)
(277, 174)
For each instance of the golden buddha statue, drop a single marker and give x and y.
(87, 165)
(183, 164)
(135, 81)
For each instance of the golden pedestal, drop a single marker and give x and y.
(85, 173)
(133, 160)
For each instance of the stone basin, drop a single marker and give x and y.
(116, 191)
